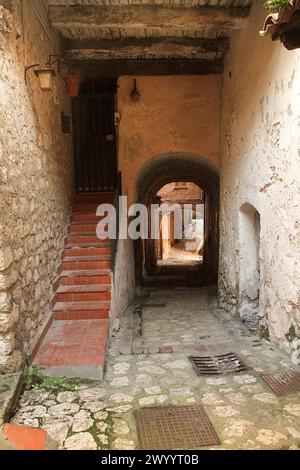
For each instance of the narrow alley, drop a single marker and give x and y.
(149, 226)
(244, 411)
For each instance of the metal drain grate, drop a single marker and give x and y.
(212, 365)
(284, 383)
(175, 428)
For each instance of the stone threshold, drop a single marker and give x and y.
(148, 350)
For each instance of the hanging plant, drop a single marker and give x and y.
(283, 22)
(276, 6)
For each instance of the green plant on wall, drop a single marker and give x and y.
(275, 6)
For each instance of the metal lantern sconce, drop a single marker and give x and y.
(135, 94)
(45, 76)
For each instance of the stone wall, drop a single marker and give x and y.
(174, 114)
(36, 180)
(261, 172)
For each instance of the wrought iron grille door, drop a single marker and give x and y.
(94, 133)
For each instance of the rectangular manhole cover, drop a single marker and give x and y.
(212, 365)
(284, 383)
(175, 428)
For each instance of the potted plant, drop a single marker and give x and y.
(283, 22)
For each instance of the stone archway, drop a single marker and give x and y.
(164, 169)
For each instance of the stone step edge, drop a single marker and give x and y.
(77, 315)
(57, 300)
(85, 273)
(95, 222)
(83, 289)
(82, 306)
(90, 372)
(74, 275)
(86, 246)
(86, 259)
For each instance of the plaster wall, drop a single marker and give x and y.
(260, 148)
(174, 114)
(123, 279)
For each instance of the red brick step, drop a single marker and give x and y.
(86, 217)
(83, 238)
(87, 251)
(75, 348)
(98, 314)
(83, 228)
(99, 244)
(59, 306)
(96, 197)
(84, 288)
(77, 337)
(82, 296)
(71, 259)
(83, 280)
(84, 265)
(88, 206)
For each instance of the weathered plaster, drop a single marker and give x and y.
(123, 284)
(261, 166)
(35, 184)
(174, 114)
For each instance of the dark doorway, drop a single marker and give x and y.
(94, 131)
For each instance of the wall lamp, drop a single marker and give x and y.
(47, 73)
(45, 76)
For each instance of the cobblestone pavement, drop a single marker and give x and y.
(244, 411)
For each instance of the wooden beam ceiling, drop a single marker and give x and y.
(150, 16)
(116, 68)
(147, 38)
(134, 48)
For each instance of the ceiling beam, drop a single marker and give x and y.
(202, 44)
(144, 16)
(130, 48)
(116, 68)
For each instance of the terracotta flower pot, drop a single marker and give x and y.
(72, 85)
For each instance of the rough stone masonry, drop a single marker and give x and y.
(36, 180)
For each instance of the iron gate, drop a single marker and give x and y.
(94, 134)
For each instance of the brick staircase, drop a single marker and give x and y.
(75, 340)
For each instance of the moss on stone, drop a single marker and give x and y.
(35, 377)
(264, 332)
(291, 334)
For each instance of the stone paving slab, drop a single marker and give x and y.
(241, 407)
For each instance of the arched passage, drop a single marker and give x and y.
(168, 168)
